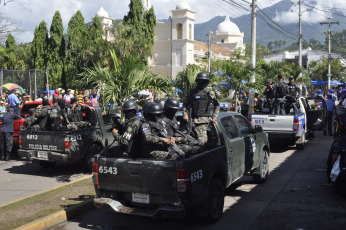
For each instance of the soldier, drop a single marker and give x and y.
(42, 114)
(269, 95)
(292, 96)
(31, 120)
(156, 139)
(186, 142)
(280, 91)
(74, 116)
(127, 138)
(57, 114)
(198, 106)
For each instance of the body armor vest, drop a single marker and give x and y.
(201, 104)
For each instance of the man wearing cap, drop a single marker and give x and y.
(269, 94)
(68, 96)
(292, 96)
(280, 91)
(6, 134)
(13, 101)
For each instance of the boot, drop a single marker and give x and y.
(8, 156)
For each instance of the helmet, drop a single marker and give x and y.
(171, 103)
(154, 108)
(129, 105)
(45, 101)
(319, 91)
(291, 77)
(73, 100)
(331, 91)
(146, 106)
(202, 76)
(160, 102)
(61, 103)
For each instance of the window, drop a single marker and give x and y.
(244, 126)
(179, 31)
(222, 40)
(229, 127)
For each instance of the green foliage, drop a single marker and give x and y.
(123, 79)
(261, 50)
(9, 58)
(56, 48)
(319, 70)
(338, 41)
(39, 46)
(185, 79)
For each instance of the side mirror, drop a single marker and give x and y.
(258, 129)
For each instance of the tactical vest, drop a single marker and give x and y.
(42, 121)
(292, 90)
(135, 145)
(201, 103)
(280, 89)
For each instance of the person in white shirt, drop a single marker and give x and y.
(68, 96)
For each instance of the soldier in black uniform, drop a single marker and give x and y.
(280, 91)
(157, 141)
(291, 98)
(269, 95)
(198, 106)
(127, 138)
(58, 115)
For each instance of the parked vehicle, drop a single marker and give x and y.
(49, 147)
(294, 128)
(172, 188)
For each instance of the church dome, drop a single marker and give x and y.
(228, 27)
(183, 6)
(101, 13)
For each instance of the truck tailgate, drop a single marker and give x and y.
(43, 141)
(137, 176)
(280, 123)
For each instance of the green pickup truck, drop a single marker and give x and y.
(173, 188)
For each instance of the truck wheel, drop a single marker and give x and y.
(301, 145)
(263, 168)
(46, 164)
(87, 160)
(215, 200)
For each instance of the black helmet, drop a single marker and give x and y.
(146, 106)
(45, 101)
(129, 105)
(202, 76)
(61, 103)
(154, 108)
(73, 100)
(160, 102)
(171, 103)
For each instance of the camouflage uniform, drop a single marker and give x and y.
(29, 123)
(75, 119)
(42, 117)
(201, 122)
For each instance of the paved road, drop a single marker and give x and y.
(296, 196)
(20, 178)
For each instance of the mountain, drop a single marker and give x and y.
(264, 33)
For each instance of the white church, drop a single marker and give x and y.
(175, 46)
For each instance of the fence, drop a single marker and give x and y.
(32, 81)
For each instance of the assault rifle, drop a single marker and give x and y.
(175, 147)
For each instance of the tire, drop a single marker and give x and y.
(263, 169)
(301, 145)
(216, 200)
(46, 164)
(87, 160)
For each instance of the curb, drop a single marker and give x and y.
(59, 217)
(48, 190)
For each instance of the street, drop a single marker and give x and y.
(296, 196)
(20, 178)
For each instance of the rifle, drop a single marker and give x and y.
(175, 147)
(190, 122)
(187, 137)
(116, 124)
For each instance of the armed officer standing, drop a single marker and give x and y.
(292, 96)
(198, 106)
(269, 95)
(280, 91)
(127, 138)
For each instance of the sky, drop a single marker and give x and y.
(29, 13)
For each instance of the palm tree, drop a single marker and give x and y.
(126, 77)
(185, 80)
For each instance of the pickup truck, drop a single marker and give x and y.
(294, 128)
(195, 185)
(49, 147)
(19, 123)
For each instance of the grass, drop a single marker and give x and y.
(33, 208)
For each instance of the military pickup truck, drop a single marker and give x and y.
(294, 128)
(173, 188)
(49, 147)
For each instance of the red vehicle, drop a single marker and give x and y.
(24, 112)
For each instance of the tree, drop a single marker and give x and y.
(319, 70)
(126, 77)
(10, 55)
(261, 50)
(39, 46)
(76, 55)
(56, 53)
(185, 79)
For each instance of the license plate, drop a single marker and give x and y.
(41, 154)
(140, 198)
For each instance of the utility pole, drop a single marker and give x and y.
(300, 62)
(329, 48)
(253, 56)
(209, 44)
